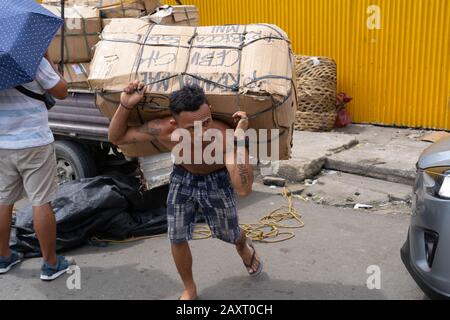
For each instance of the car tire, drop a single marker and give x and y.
(73, 161)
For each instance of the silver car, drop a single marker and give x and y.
(426, 252)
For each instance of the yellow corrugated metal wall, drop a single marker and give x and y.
(397, 75)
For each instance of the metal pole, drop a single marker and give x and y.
(61, 63)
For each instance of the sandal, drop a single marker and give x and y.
(249, 266)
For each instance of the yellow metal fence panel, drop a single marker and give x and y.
(393, 56)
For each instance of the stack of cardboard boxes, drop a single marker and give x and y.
(185, 15)
(240, 67)
(113, 8)
(85, 20)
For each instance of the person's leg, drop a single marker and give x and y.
(11, 188)
(246, 253)
(183, 260)
(45, 227)
(8, 258)
(5, 230)
(219, 206)
(181, 209)
(226, 228)
(38, 169)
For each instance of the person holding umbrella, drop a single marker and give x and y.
(28, 163)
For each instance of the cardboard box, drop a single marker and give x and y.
(76, 75)
(168, 15)
(114, 8)
(151, 5)
(258, 79)
(107, 21)
(118, 9)
(82, 30)
(175, 16)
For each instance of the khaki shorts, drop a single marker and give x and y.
(28, 172)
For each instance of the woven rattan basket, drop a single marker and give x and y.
(314, 121)
(316, 83)
(316, 87)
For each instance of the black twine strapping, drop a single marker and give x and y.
(234, 88)
(238, 82)
(138, 60)
(190, 42)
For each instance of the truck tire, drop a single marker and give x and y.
(73, 161)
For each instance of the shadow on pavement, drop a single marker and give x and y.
(266, 288)
(122, 283)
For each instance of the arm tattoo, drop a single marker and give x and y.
(243, 173)
(151, 128)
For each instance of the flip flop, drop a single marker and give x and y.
(260, 264)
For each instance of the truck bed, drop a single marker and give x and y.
(78, 117)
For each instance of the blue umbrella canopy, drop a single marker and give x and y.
(27, 29)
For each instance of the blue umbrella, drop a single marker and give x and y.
(27, 29)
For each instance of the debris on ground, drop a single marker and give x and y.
(274, 181)
(309, 182)
(362, 206)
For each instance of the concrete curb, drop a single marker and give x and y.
(392, 175)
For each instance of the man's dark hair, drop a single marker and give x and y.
(189, 98)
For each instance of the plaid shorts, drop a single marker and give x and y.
(212, 194)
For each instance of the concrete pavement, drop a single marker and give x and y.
(384, 153)
(346, 190)
(388, 154)
(327, 259)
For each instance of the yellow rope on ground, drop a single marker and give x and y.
(132, 239)
(267, 230)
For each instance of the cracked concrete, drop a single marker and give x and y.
(346, 190)
(360, 164)
(388, 154)
(310, 153)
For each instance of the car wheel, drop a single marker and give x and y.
(73, 162)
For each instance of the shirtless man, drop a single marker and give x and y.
(209, 187)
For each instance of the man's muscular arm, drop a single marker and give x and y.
(119, 132)
(241, 172)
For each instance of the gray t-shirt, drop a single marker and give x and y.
(23, 120)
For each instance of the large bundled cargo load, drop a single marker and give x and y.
(82, 29)
(114, 8)
(240, 67)
(175, 16)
